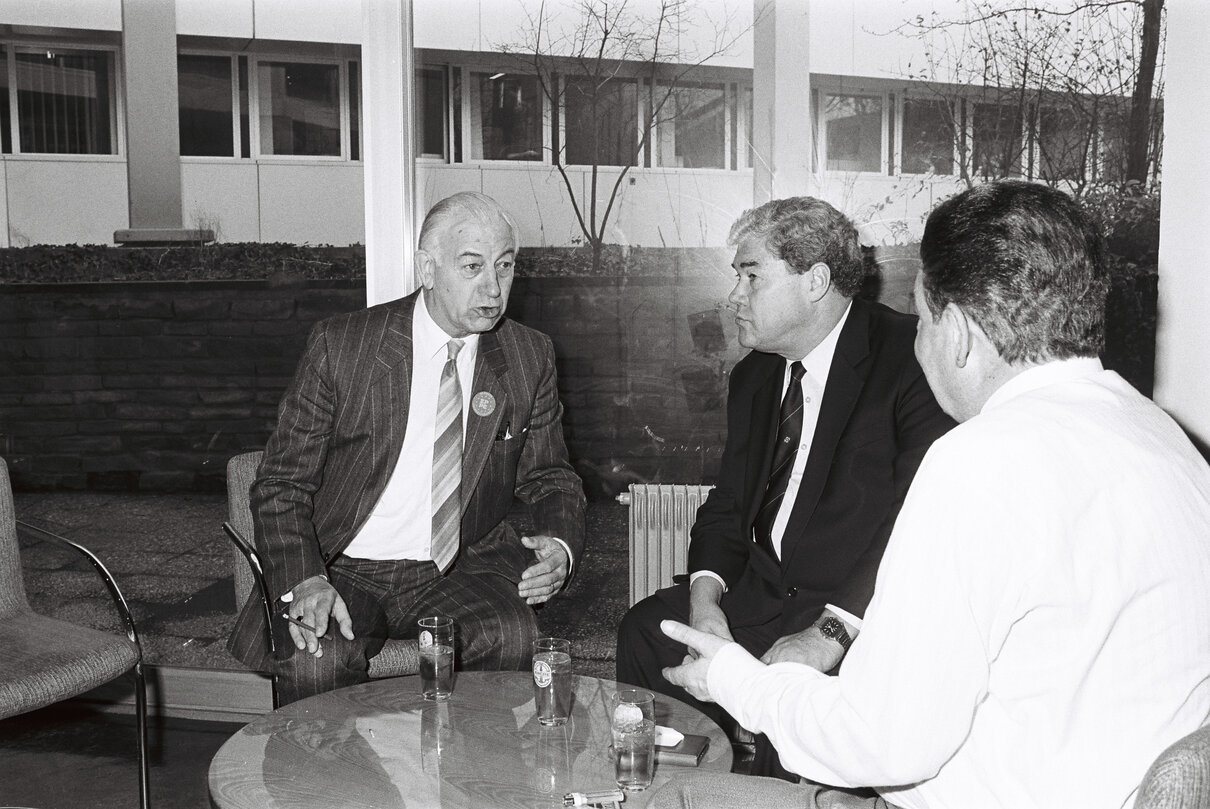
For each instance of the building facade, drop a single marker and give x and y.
(259, 106)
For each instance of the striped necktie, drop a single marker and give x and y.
(789, 436)
(447, 463)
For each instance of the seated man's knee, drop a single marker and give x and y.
(642, 621)
(303, 674)
(502, 640)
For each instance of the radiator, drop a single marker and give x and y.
(661, 515)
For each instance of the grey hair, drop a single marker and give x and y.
(465, 204)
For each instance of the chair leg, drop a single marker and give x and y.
(140, 702)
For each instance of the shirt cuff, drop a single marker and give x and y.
(571, 560)
(729, 681)
(288, 596)
(848, 617)
(695, 576)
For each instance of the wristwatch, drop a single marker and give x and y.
(833, 629)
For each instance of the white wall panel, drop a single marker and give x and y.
(309, 20)
(221, 196)
(215, 18)
(312, 203)
(97, 15)
(66, 201)
(436, 181)
(538, 199)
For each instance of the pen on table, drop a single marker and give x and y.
(302, 624)
(593, 798)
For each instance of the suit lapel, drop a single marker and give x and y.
(390, 387)
(491, 368)
(762, 431)
(846, 377)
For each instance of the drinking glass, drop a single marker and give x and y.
(633, 726)
(552, 680)
(436, 657)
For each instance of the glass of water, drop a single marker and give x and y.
(436, 657)
(552, 680)
(633, 726)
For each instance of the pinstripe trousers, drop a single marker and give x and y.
(494, 628)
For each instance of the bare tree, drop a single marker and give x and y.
(1060, 93)
(614, 75)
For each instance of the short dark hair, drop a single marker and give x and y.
(1025, 263)
(804, 230)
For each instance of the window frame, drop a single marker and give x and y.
(642, 99)
(949, 101)
(236, 130)
(254, 106)
(729, 115)
(467, 73)
(117, 107)
(447, 108)
(819, 117)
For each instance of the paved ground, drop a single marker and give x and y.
(174, 565)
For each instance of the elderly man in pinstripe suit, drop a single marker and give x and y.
(407, 431)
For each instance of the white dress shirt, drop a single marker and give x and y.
(1039, 630)
(401, 524)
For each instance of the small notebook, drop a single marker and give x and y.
(688, 752)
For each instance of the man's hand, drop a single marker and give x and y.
(314, 602)
(544, 578)
(705, 614)
(809, 647)
(703, 646)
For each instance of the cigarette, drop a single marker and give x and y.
(586, 798)
(297, 622)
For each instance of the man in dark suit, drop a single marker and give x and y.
(407, 431)
(827, 419)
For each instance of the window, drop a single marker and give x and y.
(430, 112)
(299, 108)
(6, 124)
(602, 122)
(1062, 142)
(853, 132)
(506, 117)
(928, 137)
(996, 149)
(1113, 126)
(745, 148)
(65, 102)
(206, 106)
(354, 111)
(692, 128)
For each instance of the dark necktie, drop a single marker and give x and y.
(789, 436)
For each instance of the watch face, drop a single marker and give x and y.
(833, 629)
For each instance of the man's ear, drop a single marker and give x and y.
(819, 280)
(424, 264)
(959, 332)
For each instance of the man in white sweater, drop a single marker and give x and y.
(1039, 630)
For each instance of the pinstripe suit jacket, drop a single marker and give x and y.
(340, 431)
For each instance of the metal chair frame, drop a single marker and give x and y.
(123, 609)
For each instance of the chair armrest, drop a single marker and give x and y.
(119, 601)
(258, 574)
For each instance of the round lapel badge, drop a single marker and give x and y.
(484, 404)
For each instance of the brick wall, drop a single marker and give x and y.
(153, 385)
